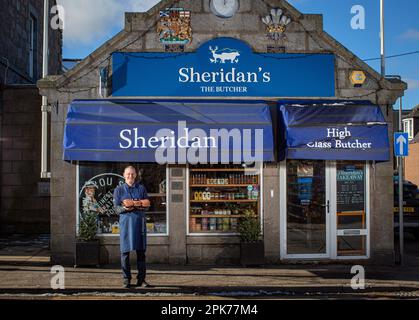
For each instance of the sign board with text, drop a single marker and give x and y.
(222, 67)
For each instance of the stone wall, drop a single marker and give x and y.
(24, 207)
(14, 41)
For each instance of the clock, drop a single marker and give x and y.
(224, 8)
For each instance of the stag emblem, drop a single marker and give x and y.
(221, 56)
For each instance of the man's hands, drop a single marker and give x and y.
(130, 204)
(145, 203)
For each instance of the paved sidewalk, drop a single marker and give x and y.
(25, 273)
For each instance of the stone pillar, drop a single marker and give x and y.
(271, 212)
(177, 210)
(381, 214)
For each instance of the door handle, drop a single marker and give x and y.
(327, 206)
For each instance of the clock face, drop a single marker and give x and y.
(224, 8)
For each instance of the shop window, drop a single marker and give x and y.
(97, 182)
(306, 210)
(408, 128)
(220, 195)
(351, 208)
(32, 59)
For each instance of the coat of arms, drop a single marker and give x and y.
(276, 24)
(174, 26)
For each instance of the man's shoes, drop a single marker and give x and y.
(143, 284)
(127, 284)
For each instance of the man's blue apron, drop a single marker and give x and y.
(133, 231)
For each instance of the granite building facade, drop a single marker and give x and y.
(24, 197)
(113, 79)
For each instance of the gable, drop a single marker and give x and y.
(304, 34)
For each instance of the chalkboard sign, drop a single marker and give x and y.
(350, 189)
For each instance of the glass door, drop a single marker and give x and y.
(351, 219)
(305, 209)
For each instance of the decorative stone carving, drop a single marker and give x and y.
(276, 24)
(174, 26)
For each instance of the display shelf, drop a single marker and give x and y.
(221, 185)
(224, 200)
(205, 188)
(228, 232)
(224, 170)
(217, 216)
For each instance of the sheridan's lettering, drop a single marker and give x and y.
(125, 138)
(222, 76)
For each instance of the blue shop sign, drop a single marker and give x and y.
(334, 131)
(223, 67)
(168, 131)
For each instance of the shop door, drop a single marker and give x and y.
(350, 210)
(305, 209)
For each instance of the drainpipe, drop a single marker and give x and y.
(45, 107)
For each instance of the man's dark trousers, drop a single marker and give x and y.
(141, 266)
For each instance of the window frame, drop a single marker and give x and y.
(408, 127)
(106, 235)
(363, 232)
(33, 33)
(219, 234)
(332, 228)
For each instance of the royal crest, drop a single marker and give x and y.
(174, 26)
(276, 24)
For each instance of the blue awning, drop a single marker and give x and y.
(334, 130)
(168, 131)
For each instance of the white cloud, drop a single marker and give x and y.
(412, 83)
(411, 34)
(87, 21)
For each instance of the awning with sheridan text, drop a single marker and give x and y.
(171, 131)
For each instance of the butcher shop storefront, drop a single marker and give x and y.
(221, 128)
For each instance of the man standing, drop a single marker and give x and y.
(131, 200)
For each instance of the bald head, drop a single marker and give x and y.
(130, 168)
(130, 174)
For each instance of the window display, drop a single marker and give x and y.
(97, 181)
(220, 196)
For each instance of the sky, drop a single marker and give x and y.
(88, 24)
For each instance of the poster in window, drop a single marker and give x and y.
(350, 188)
(305, 173)
(97, 182)
(96, 195)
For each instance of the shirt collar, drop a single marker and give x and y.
(135, 185)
